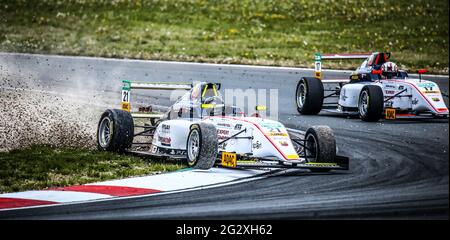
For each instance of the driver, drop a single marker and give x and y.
(389, 70)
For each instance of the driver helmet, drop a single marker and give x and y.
(389, 69)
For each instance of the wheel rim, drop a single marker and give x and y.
(311, 148)
(193, 146)
(301, 95)
(105, 132)
(363, 103)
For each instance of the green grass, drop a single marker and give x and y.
(40, 167)
(271, 32)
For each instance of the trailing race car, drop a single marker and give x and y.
(203, 131)
(375, 89)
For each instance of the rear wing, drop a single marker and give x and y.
(128, 85)
(346, 56)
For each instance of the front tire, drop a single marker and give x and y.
(320, 146)
(371, 103)
(309, 96)
(115, 131)
(202, 146)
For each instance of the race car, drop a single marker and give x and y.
(200, 129)
(377, 88)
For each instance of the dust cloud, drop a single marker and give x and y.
(33, 111)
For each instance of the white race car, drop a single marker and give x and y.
(200, 129)
(375, 89)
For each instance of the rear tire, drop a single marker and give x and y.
(202, 146)
(115, 131)
(309, 96)
(371, 103)
(322, 146)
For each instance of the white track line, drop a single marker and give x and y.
(181, 179)
(55, 196)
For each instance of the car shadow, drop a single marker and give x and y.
(424, 120)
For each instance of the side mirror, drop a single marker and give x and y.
(261, 108)
(422, 71)
(207, 106)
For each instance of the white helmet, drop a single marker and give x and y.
(389, 69)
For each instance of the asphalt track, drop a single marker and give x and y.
(398, 169)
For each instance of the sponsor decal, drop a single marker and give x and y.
(414, 101)
(222, 137)
(238, 127)
(436, 99)
(223, 131)
(389, 92)
(274, 130)
(223, 134)
(401, 87)
(165, 128)
(426, 85)
(390, 114)
(389, 86)
(223, 145)
(225, 125)
(154, 149)
(257, 145)
(277, 134)
(180, 152)
(126, 106)
(229, 159)
(284, 143)
(428, 88)
(170, 151)
(271, 125)
(165, 141)
(430, 91)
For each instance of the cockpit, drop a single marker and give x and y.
(204, 99)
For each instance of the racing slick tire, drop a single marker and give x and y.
(115, 131)
(371, 103)
(309, 96)
(201, 146)
(320, 146)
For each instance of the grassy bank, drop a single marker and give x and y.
(41, 167)
(269, 32)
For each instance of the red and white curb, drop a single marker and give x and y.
(136, 186)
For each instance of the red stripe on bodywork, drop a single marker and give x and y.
(19, 202)
(109, 190)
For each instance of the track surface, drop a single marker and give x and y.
(398, 169)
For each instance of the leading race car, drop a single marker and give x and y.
(375, 89)
(203, 131)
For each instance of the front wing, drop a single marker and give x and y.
(241, 161)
